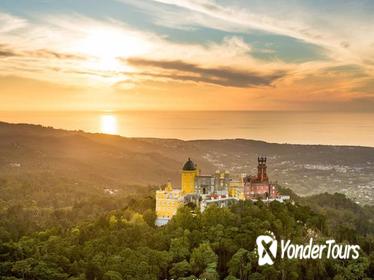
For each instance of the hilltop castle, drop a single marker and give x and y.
(218, 188)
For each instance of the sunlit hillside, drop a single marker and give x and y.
(99, 161)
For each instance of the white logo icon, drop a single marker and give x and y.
(266, 249)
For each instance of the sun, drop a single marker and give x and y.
(106, 45)
(108, 124)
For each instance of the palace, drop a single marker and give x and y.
(219, 188)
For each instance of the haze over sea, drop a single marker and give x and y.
(280, 127)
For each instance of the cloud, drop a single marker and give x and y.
(312, 24)
(53, 54)
(8, 51)
(366, 86)
(243, 20)
(9, 23)
(16, 84)
(223, 76)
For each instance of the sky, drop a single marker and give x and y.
(187, 55)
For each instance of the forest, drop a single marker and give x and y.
(219, 243)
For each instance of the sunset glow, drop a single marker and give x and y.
(167, 55)
(108, 124)
(107, 45)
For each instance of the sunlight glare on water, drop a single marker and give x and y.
(108, 124)
(280, 127)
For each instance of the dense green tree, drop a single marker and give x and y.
(240, 264)
(230, 277)
(202, 257)
(181, 269)
(210, 273)
(22, 268)
(180, 248)
(93, 272)
(112, 275)
(184, 219)
(43, 271)
(149, 217)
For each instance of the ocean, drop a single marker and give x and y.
(277, 127)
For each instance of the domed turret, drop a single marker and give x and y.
(189, 172)
(189, 165)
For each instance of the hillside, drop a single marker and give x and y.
(75, 205)
(97, 161)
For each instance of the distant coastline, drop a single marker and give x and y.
(150, 138)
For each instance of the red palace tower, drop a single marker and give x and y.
(259, 187)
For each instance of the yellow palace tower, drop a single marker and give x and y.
(168, 201)
(189, 172)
